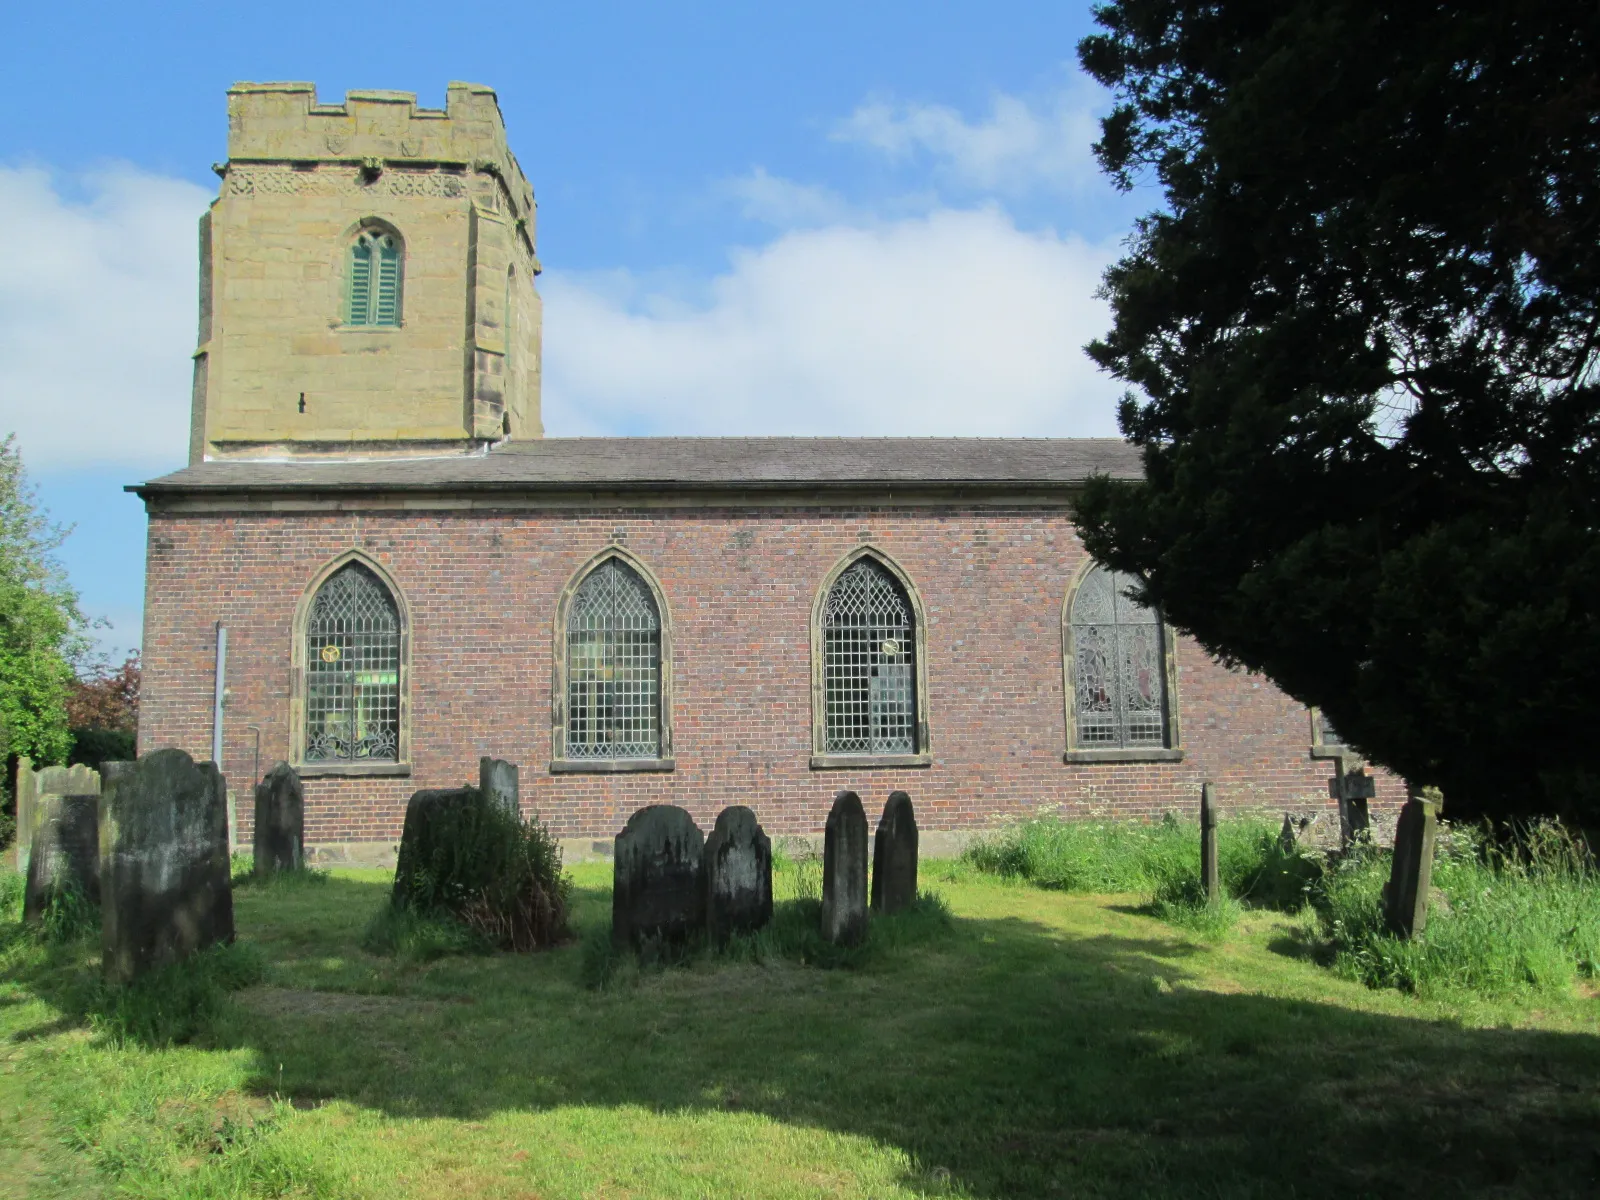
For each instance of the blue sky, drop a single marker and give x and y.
(866, 218)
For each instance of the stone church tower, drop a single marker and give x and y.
(366, 280)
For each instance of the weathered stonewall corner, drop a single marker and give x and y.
(65, 856)
(433, 818)
(894, 856)
(164, 869)
(737, 867)
(1209, 874)
(844, 872)
(497, 780)
(280, 836)
(1411, 870)
(657, 891)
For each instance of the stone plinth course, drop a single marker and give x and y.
(894, 856)
(65, 856)
(280, 835)
(737, 868)
(497, 780)
(657, 890)
(164, 872)
(844, 872)
(1411, 869)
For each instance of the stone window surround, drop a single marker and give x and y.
(1337, 752)
(340, 273)
(559, 763)
(821, 760)
(1173, 750)
(297, 675)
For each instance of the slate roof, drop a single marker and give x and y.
(681, 463)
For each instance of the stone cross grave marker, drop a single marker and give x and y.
(280, 834)
(656, 887)
(1352, 789)
(66, 852)
(894, 856)
(1411, 870)
(165, 887)
(737, 868)
(844, 872)
(497, 779)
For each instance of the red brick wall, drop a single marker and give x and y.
(740, 585)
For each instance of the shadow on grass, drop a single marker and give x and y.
(1010, 1059)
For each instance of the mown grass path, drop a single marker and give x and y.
(1052, 1045)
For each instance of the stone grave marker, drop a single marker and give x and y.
(737, 867)
(66, 852)
(280, 834)
(894, 856)
(165, 889)
(1411, 870)
(1209, 875)
(34, 790)
(1352, 789)
(497, 780)
(431, 814)
(657, 890)
(844, 872)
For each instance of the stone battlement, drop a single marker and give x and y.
(284, 123)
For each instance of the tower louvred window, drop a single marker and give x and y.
(376, 271)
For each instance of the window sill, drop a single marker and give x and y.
(351, 770)
(847, 762)
(609, 766)
(1137, 754)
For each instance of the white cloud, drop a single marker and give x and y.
(1016, 148)
(783, 202)
(97, 316)
(952, 323)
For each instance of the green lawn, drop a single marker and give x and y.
(1049, 1045)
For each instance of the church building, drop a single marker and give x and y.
(377, 568)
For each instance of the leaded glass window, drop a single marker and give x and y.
(1119, 665)
(352, 670)
(869, 664)
(613, 666)
(375, 277)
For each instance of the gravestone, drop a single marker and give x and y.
(497, 780)
(844, 872)
(894, 856)
(737, 867)
(1411, 870)
(1352, 789)
(1209, 874)
(432, 817)
(34, 791)
(656, 888)
(164, 873)
(66, 852)
(280, 835)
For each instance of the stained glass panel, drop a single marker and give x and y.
(613, 667)
(1119, 665)
(353, 670)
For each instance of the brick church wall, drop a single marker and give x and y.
(740, 584)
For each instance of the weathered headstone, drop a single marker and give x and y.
(34, 791)
(66, 852)
(894, 856)
(844, 871)
(1352, 789)
(1411, 871)
(280, 835)
(656, 888)
(497, 779)
(432, 819)
(164, 872)
(737, 868)
(1209, 875)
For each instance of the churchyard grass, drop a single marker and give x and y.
(1042, 1043)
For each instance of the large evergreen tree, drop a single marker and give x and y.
(1363, 329)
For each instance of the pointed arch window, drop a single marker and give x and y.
(1120, 671)
(376, 276)
(352, 671)
(613, 661)
(870, 679)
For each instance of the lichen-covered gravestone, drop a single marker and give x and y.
(164, 871)
(844, 872)
(280, 835)
(1210, 878)
(894, 857)
(737, 867)
(65, 856)
(432, 826)
(657, 892)
(36, 789)
(1411, 870)
(497, 779)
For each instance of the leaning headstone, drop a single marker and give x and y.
(433, 817)
(1411, 871)
(1209, 874)
(894, 856)
(656, 887)
(497, 779)
(737, 868)
(280, 835)
(1352, 789)
(844, 872)
(164, 872)
(66, 853)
